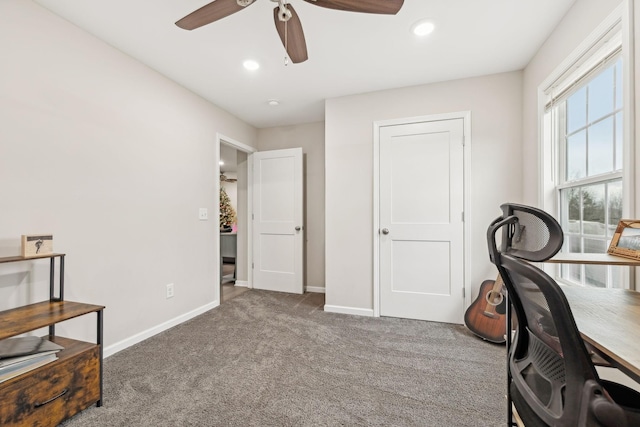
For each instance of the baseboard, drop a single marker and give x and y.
(348, 310)
(315, 289)
(139, 337)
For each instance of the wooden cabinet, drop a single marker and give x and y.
(58, 390)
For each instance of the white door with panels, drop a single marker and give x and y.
(278, 235)
(421, 201)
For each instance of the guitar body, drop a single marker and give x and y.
(486, 317)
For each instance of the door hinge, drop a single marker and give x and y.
(252, 217)
(464, 293)
(252, 266)
(464, 140)
(462, 216)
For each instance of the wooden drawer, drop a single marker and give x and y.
(52, 393)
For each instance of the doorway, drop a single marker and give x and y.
(234, 244)
(270, 194)
(420, 251)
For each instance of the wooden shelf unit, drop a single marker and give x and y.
(48, 395)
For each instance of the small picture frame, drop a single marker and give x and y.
(35, 245)
(626, 239)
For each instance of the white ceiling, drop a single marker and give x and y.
(349, 53)
(228, 155)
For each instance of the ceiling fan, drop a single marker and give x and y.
(286, 19)
(224, 178)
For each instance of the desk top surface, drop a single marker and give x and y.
(580, 258)
(609, 319)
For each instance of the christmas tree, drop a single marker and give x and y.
(227, 213)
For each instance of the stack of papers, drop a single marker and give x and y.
(23, 354)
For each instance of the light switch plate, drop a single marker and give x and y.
(203, 215)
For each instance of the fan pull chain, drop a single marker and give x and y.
(286, 44)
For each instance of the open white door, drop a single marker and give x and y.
(278, 234)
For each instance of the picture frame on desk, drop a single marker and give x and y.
(35, 245)
(626, 239)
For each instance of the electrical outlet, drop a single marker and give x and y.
(170, 290)
(203, 214)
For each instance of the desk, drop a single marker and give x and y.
(228, 249)
(609, 320)
(228, 245)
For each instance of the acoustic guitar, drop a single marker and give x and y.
(485, 317)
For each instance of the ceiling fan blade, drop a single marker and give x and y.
(292, 36)
(384, 7)
(210, 13)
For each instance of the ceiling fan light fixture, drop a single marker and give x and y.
(423, 28)
(251, 65)
(244, 3)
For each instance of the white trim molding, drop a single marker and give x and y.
(242, 284)
(220, 138)
(141, 336)
(315, 289)
(348, 310)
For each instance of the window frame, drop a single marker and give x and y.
(593, 55)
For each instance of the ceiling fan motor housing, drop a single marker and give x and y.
(284, 14)
(244, 3)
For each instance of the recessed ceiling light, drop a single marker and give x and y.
(221, 163)
(273, 102)
(251, 65)
(423, 28)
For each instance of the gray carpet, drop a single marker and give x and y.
(271, 359)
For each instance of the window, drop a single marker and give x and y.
(583, 123)
(590, 185)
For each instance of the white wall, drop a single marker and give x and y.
(495, 103)
(114, 160)
(310, 137)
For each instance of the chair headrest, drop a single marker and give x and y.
(528, 233)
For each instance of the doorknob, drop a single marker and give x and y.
(385, 231)
(298, 228)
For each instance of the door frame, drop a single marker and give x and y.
(249, 150)
(466, 120)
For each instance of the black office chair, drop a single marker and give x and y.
(553, 381)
